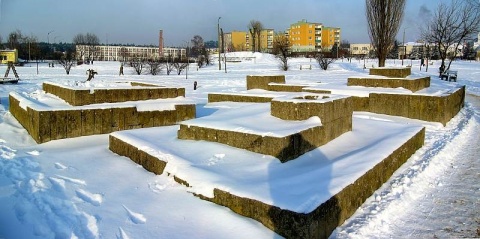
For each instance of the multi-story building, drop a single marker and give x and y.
(266, 40)
(126, 53)
(242, 41)
(330, 37)
(309, 36)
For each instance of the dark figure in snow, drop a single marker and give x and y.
(91, 74)
(195, 85)
(121, 70)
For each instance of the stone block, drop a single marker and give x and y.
(391, 72)
(262, 82)
(74, 124)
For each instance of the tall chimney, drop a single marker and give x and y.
(160, 44)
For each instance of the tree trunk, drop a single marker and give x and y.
(381, 61)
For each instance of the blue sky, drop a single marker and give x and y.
(138, 21)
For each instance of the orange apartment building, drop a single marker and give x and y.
(309, 36)
(241, 41)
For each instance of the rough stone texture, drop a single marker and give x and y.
(262, 82)
(286, 88)
(319, 223)
(219, 97)
(429, 108)
(360, 103)
(78, 97)
(46, 125)
(391, 72)
(317, 91)
(149, 162)
(323, 220)
(409, 84)
(336, 116)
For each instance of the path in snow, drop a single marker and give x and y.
(452, 200)
(439, 199)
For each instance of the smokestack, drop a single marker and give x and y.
(160, 44)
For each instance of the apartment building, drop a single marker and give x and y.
(330, 37)
(311, 36)
(242, 40)
(125, 53)
(266, 40)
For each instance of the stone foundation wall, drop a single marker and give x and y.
(78, 97)
(336, 117)
(360, 103)
(391, 72)
(286, 88)
(319, 223)
(284, 148)
(409, 84)
(262, 82)
(326, 109)
(149, 162)
(429, 108)
(219, 97)
(323, 220)
(46, 125)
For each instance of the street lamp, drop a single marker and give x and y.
(48, 37)
(48, 40)
(188, 60)
(404, 47)
(218, 34)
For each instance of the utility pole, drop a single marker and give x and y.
(218, 34)
(188, 60)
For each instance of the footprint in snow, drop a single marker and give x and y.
(122, 234)
(72, 180)
(60, 166)
(57, 183)
(92, 198)
(34, 152)
(136, 218)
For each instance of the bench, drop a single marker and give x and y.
(449, 75)
(304, 67)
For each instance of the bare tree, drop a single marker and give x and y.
(450, 25)
(199, 51)
(14, 39)
(80, 45)
(67, 61)
(255, 28)
(168, 64)
(92, 41)
(137, 63)
(384, 18)
(154, 66)
(323, 60)
(281, 49)
(180, 66)
(31, 45)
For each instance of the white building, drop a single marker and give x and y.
(360, 49)
(125, 53)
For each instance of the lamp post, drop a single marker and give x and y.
(48, 39)
(404, 47)
(188, 60)
(218, 34)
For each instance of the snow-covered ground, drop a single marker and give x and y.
(77, 188)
